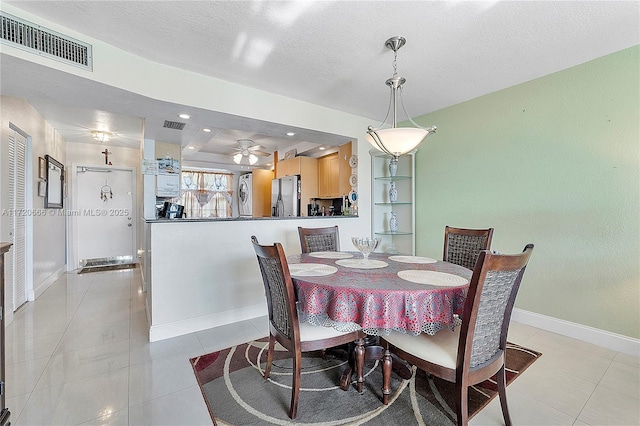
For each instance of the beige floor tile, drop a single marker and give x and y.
(81, 336)
(20, 350)
(622, 378)
(607, 407)
(77, 402)
(229, 335)
(22, 377)
(187, 345)
(162, 411)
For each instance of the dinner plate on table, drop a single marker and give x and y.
(441, 279)
(361, 263)
(330, 254)
(311, 269)
(412, 259)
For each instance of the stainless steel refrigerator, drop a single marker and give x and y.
(285, 196)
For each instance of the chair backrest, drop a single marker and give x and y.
(462, 246)
(319, 239)
(487, 311)
(279, 290)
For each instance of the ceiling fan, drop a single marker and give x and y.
(247, 148)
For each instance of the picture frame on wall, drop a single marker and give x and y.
(42, 168)
(42, 188)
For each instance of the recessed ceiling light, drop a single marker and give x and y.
(290, 133)
(206, 129)
(190, 147)
(185, 116)
(322, 148)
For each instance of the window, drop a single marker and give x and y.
(207, 194)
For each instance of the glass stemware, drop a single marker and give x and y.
(365, 245)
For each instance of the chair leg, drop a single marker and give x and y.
(359, 354)
(295, 386)
(462, 404)
(272, 345)
(387, 365)
(501, 379)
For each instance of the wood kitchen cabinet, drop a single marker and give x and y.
(261, 193)
(307, 169)
(334, 172)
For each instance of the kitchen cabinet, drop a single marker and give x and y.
(401, 240)
(334, 172)
(261, 193)
(307, 169)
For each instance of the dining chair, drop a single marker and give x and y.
(462, 246)
(474, 351)
(319, 239)
(284, 324)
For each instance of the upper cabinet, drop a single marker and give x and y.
(307, 169)
(334, 172)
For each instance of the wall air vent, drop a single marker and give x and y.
(42, 41)
(173, 125)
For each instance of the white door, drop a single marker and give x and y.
(104, 214)
(16, 274)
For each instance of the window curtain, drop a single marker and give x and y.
(207, 194)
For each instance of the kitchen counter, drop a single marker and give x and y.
(202, 273)
(245, 218)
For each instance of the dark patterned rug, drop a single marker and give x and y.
(236, 393)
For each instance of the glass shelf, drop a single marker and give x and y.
(390, 178)
(397, 203)
(393, 233)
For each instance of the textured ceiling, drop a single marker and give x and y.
(332, 53)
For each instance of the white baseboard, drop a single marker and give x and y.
(191, 325)
(616, 342)
(37, 292)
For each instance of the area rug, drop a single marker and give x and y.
(236, 393)
(107, 268)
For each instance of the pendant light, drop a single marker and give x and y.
(396, 141)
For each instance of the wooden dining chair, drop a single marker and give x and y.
(319, 239)
(284, 325)
(462, 246)
(475, 351)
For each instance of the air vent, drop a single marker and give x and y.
(33, 38)
(173, 125)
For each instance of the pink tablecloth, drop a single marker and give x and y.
(377, 299)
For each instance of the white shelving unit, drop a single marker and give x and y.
(402, 240)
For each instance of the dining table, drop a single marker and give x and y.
(385, 293)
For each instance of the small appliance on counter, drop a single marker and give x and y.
(171, 210)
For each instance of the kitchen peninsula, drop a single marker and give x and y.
(203, 273)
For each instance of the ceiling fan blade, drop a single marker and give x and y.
(261, 153)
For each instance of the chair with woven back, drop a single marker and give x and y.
(284, 324)
(475, 350)
(319, 239)
(462, 246)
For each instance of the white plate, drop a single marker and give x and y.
(412, 259)
(362, 264)
(433, 278)
(330, 255)
(311, 269)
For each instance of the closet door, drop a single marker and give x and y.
(16, 271)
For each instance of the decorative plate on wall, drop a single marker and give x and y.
(353, 196)
(353, 161)
(353, 180)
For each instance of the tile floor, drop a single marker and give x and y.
(79, 355)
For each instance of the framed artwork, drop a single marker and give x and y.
(42, 188)
(42, 168)
(55, 181)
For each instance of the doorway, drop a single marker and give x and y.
(102, 218)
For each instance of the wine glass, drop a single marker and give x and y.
(365, 245)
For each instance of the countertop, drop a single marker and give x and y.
(244, 218)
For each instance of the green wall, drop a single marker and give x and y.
(554, 162)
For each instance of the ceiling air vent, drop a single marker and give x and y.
(42, 41)
(173, 125)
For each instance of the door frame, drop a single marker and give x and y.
(72, 213)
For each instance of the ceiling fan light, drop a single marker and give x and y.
(252, 159)
(237, 158)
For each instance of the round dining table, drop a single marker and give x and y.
(409, 294)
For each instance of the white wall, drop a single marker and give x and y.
(49, 229)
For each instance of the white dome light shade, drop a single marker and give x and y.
(399, 140)
(237, 158)
(252, 159)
